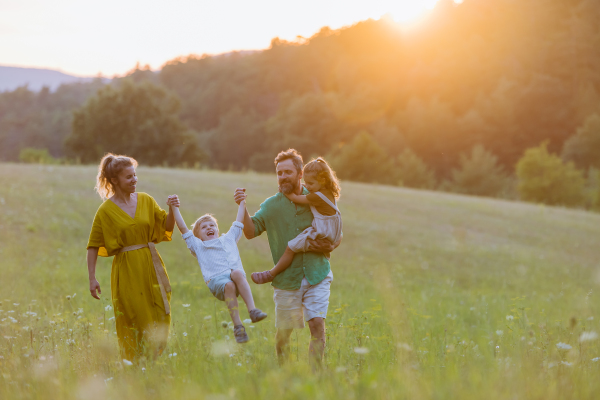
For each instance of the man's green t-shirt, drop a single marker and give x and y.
(284, 220)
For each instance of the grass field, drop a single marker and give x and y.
(435, 296)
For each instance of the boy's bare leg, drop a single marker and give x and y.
(316, 349)
(282, 344)
(244, 288)
(284, 262)
(232, 303)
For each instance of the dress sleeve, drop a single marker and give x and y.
(259, 219)
(160, 233)
(236, 231)
(97, 236)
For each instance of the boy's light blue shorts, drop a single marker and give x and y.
(217, 286)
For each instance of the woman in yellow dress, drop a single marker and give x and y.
(126, 226)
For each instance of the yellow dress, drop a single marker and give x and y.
(142, 323)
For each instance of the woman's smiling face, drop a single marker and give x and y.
(126, 181)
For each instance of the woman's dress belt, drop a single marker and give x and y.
(161, 277)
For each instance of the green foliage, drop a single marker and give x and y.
(479, 174)
(413, 172)
(583, 148)
(545, 178)
(31, 155)
(363, 160)
(139, 120)
(593, 189)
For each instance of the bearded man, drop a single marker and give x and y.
(301, 292)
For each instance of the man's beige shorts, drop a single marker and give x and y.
(293, 307)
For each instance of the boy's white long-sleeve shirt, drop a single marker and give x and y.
(217, 256)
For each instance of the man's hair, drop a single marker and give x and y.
(290, 154)
(199, 221)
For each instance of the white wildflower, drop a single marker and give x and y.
(568, 364)
(563, 346)
(231, 355)
(108, 307)
(186, 305)
(499, 333)
(509, 317)
(404, 346)
(247, 321)
(239, 364)
(184, 333)
(361, 350)
(127, 362)
(587, 336)
(108, 379)
(596, 359)
(208, 317)
(111, 319)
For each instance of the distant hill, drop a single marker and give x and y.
(36, 78)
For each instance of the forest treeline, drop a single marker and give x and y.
(479, 82)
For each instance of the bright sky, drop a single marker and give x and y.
(84, 37)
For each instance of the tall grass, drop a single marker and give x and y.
(434, 296)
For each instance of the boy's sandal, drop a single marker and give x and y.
(261, 277)
(240, 334)
(257, 315)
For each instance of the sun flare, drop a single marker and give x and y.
(409, 10)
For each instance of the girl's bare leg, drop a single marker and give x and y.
(244, 288)
(284, 262)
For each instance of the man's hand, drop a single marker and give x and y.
(321, 246)
(239, 195)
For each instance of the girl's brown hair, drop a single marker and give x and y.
(110, 167)
(325, 175)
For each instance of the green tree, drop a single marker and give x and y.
(545, 178)
(30, 155)
(363, 160)
(412, 171)
(583, 148)
(140, 120)
(479, 174)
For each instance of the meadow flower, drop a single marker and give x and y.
(208, 317)
(596, 359)
(361, 350)
(186, 305)
(184, 333)
(239, 364)
(247, 321)
(499, 333)
(404, 346)
(108, 379)
(509, 317)
(587, 336)
(127, 362)
(563, 346)
(68, 297)
(108, 307)
(111, 318)
(568, 364)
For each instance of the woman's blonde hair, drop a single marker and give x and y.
(326, 177)
(199, 221)
(110, 167)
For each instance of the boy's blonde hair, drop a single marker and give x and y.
(199, 221)
(326, 177)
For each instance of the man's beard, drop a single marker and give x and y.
(287, 186)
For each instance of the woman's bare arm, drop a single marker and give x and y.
(92, 258)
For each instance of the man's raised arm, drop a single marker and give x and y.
(239, 196)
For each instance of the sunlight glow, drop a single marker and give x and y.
(409, 10)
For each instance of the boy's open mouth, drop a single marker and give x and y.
(210, 233)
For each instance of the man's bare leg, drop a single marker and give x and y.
(282, 344)
(316, 349)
